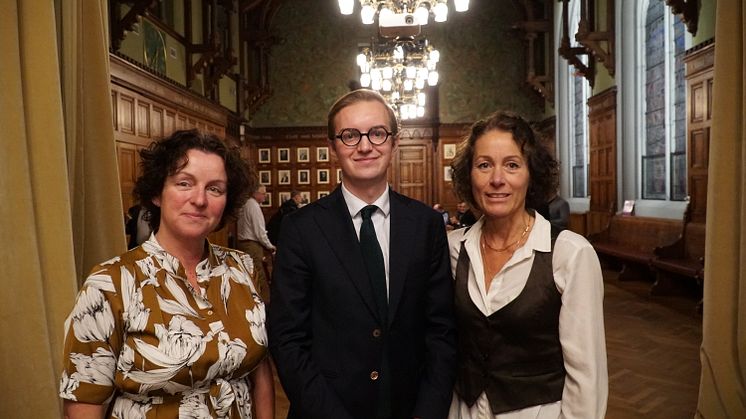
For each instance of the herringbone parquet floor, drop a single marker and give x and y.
(653, 353)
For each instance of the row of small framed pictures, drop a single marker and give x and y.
(284, 196)
(303, 176)
(302, 155)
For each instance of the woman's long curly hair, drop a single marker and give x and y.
(542, 167)
(167, 156)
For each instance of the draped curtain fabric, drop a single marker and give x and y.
(58, 182)
(722, 391)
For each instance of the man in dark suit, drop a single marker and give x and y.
(360, 330)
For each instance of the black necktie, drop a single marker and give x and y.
(373, 258)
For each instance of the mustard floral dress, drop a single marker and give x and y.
(140, 337)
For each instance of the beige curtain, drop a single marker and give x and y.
(41, 243)
(722, 391)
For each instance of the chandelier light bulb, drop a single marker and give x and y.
(421, 98)
(346, 6)
(395, 95)
(386, 85)
(432, 78)
(461, 5)
(365, 80)
(420, 111)
(422, 73)
(441, 12)
(375, 84)
(398, 53)
(361, 60)
(422, 14)
(367, 13)
(419, 84)
(411, 72)
(388, 73)
(375, 74)
(408, 85)
(435, 55)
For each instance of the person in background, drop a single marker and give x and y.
(529, 300)
(253, 239)
(273, 226)
(137, 226)
(559, 212)
(361, 322)
(464, 217)
(174, 327)
(442, 211)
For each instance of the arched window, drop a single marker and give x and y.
(651, 108)
(573, 92)
(663, 146)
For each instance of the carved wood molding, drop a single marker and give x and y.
(256, 42)
(689, 11)
(121, 25)
(538, 30)
(599, 43)
(130, 76)
(573, 54)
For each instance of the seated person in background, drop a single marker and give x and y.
(464, 217)
(559, 212)
(174, 327)
(137, 226)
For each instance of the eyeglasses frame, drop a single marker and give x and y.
(366, 134)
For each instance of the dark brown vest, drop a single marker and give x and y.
(514, 355)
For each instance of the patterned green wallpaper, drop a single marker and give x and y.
(482, 64)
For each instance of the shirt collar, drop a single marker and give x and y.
(171, 264)
(355, 204)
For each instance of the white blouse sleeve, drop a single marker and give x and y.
(581, 327)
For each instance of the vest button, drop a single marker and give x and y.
(374, 375)
(376, 333)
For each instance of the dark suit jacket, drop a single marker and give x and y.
(324, 330)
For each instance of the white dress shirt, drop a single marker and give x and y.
(251, 224)
(380, 219)
(577, 275)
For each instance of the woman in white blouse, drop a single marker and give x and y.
(529, 299)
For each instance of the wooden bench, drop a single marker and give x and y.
(684, 258)
(631, 241)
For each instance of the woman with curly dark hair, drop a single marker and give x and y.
(528, 298)
(174, 327)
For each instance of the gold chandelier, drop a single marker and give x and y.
(402, 12)
(400, 70)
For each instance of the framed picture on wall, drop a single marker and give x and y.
(339, 175)
(264, 155)
(447, 177)
(321, 194)
(322, 153)
(305, 197)
(304, 177)
(283, 196)
(449, 151)
(283, 177)
(267, 200)
(322, 176)
(283, 155)
(302, 155)
(265, 177)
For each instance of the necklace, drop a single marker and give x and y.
(505, 249)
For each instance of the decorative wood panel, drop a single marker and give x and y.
(413, 168)
(699, 82)
(450, 136)
(602, 162)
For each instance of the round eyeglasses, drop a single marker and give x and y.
(376, 135)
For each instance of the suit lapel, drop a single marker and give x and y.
(336, 226)
(402, 230)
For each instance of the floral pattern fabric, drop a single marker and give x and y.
(143, 338)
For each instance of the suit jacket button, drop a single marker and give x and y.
(376, 333)
(374, 375)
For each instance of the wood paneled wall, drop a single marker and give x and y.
(700, 72)
(146, 108)
(451, 135)
(602, 164)
(281, 162)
